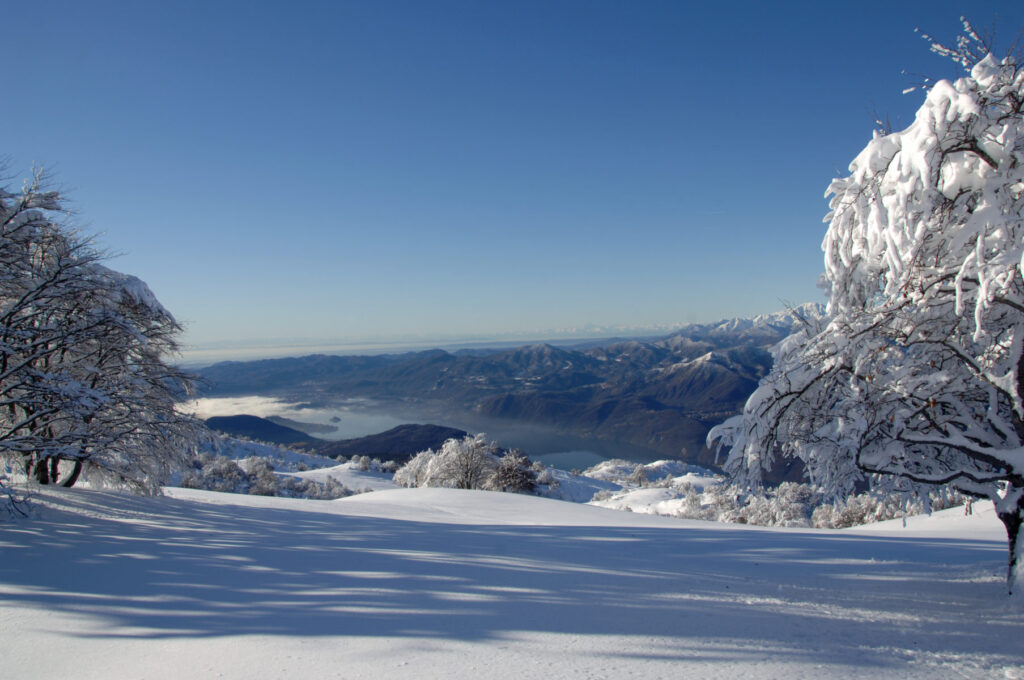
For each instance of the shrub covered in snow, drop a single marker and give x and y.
(514, 474)
(866, 508)
(257, 477)
(466, 463)
(544, 476)
(789, 505)
(473, 463)
(367, 464)
(280, 457)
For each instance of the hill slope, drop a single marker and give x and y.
(434, 583)
(397, 444)
(261, 429)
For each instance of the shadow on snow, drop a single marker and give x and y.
(185, 569)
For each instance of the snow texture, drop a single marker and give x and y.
(443, 583)
(349, 474)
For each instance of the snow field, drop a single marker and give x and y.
(439, 583)
(351, 476)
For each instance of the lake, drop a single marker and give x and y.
(360, 417)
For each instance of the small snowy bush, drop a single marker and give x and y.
(216, 473)
(638, 476)
(545, 477)
(514, 474)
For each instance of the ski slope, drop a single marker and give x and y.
(440, 583)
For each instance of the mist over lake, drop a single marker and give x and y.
(353, 418)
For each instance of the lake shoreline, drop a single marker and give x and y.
(354, 418)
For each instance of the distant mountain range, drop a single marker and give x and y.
(662, 394)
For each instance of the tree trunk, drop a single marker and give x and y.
(41, 471)
(1012, 516)
(73, 477)
(47, 471)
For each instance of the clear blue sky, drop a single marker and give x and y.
(339, 171)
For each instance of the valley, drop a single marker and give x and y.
(641, 399)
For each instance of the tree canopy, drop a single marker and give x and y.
(84, 356)
(914, 377)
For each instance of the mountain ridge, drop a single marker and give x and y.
(662, 394)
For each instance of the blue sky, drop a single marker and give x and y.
(401, 171)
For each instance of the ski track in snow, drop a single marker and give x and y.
(438, 583)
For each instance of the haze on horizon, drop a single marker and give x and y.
(353, 173)
(258, 348)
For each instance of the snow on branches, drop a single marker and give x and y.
(469, 463)
(83, 375)
(916, 375)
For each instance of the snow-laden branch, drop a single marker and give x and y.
(917, 375)
(83, 374)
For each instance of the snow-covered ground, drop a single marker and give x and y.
(280, 457)
(439, 583)
(617, 470)
(576, 488)
(350, 475)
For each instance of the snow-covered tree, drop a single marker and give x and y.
(84, 376)
(514, 473)
(416, 472)
(466, 463)
(916, 375)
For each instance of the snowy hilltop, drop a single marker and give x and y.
(606, 571)
(443, 583)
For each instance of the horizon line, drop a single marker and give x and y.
(254, 350)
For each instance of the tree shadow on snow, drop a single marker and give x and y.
(166, 568)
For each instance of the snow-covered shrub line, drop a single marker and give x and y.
(788, 505)
(257, 477)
